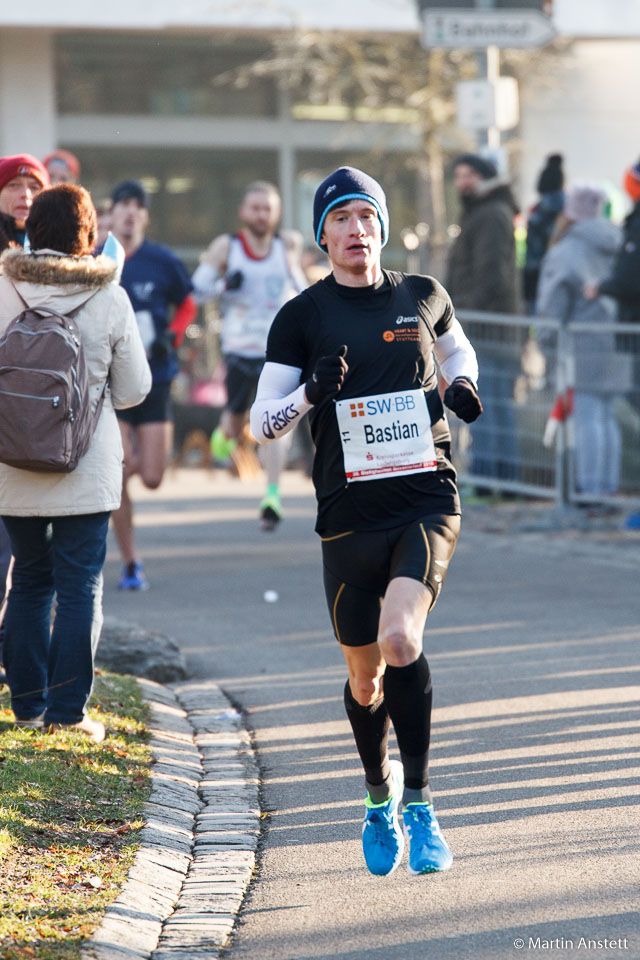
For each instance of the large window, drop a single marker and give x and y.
(194, 193)
(111, 73)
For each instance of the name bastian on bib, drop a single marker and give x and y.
(386, 435)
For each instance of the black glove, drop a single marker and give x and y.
(462, 397)
(327, 377)
(233, 281)
(162, 347)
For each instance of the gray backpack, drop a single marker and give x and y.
(46, 423)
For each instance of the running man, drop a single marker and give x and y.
(357, 351)
(156, 281)
(251, 274)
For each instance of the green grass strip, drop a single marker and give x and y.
(70, 816)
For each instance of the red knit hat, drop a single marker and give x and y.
(22, 165)
(632, 182)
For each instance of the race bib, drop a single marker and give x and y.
(245, 331)
(146, 327)
(387, 435)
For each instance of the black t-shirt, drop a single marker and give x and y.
(389, 329)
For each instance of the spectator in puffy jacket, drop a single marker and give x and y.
(583, 252)
(58, 523)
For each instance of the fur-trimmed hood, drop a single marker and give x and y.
(48, 267)
(56, 280)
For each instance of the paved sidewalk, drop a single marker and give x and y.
(197, 852)
(535, 753)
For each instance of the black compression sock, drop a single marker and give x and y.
(407, 694)
(370, 727)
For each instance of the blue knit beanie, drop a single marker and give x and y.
(344, 184)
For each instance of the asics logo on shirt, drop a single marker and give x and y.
(406, 320)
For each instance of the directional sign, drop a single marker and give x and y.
(476, 29)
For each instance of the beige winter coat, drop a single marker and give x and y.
(114, 352)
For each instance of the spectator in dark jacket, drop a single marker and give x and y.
(22, 177)
(482, 276)
(482, 261)
(540, 224)
(623, 283)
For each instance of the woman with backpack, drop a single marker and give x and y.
(57, 521)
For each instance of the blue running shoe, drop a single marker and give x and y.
(382, 839)
(133, 577)
(428, 850)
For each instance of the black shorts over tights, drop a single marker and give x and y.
(241, 381)
(358, 567)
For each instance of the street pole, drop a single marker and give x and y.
(489, 67)
(493, 74)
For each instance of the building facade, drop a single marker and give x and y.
(149, 90)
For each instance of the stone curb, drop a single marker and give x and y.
(198, 845)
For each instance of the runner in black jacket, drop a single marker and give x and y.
(356, 351)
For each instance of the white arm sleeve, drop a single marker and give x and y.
(207, 283)
(455, 355)
(279, 402)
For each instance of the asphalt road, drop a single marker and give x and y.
(535, 759)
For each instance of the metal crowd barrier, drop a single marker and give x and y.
(561, 410)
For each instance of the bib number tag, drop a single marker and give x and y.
(387, 435)
(146, 327)
(245, 330)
